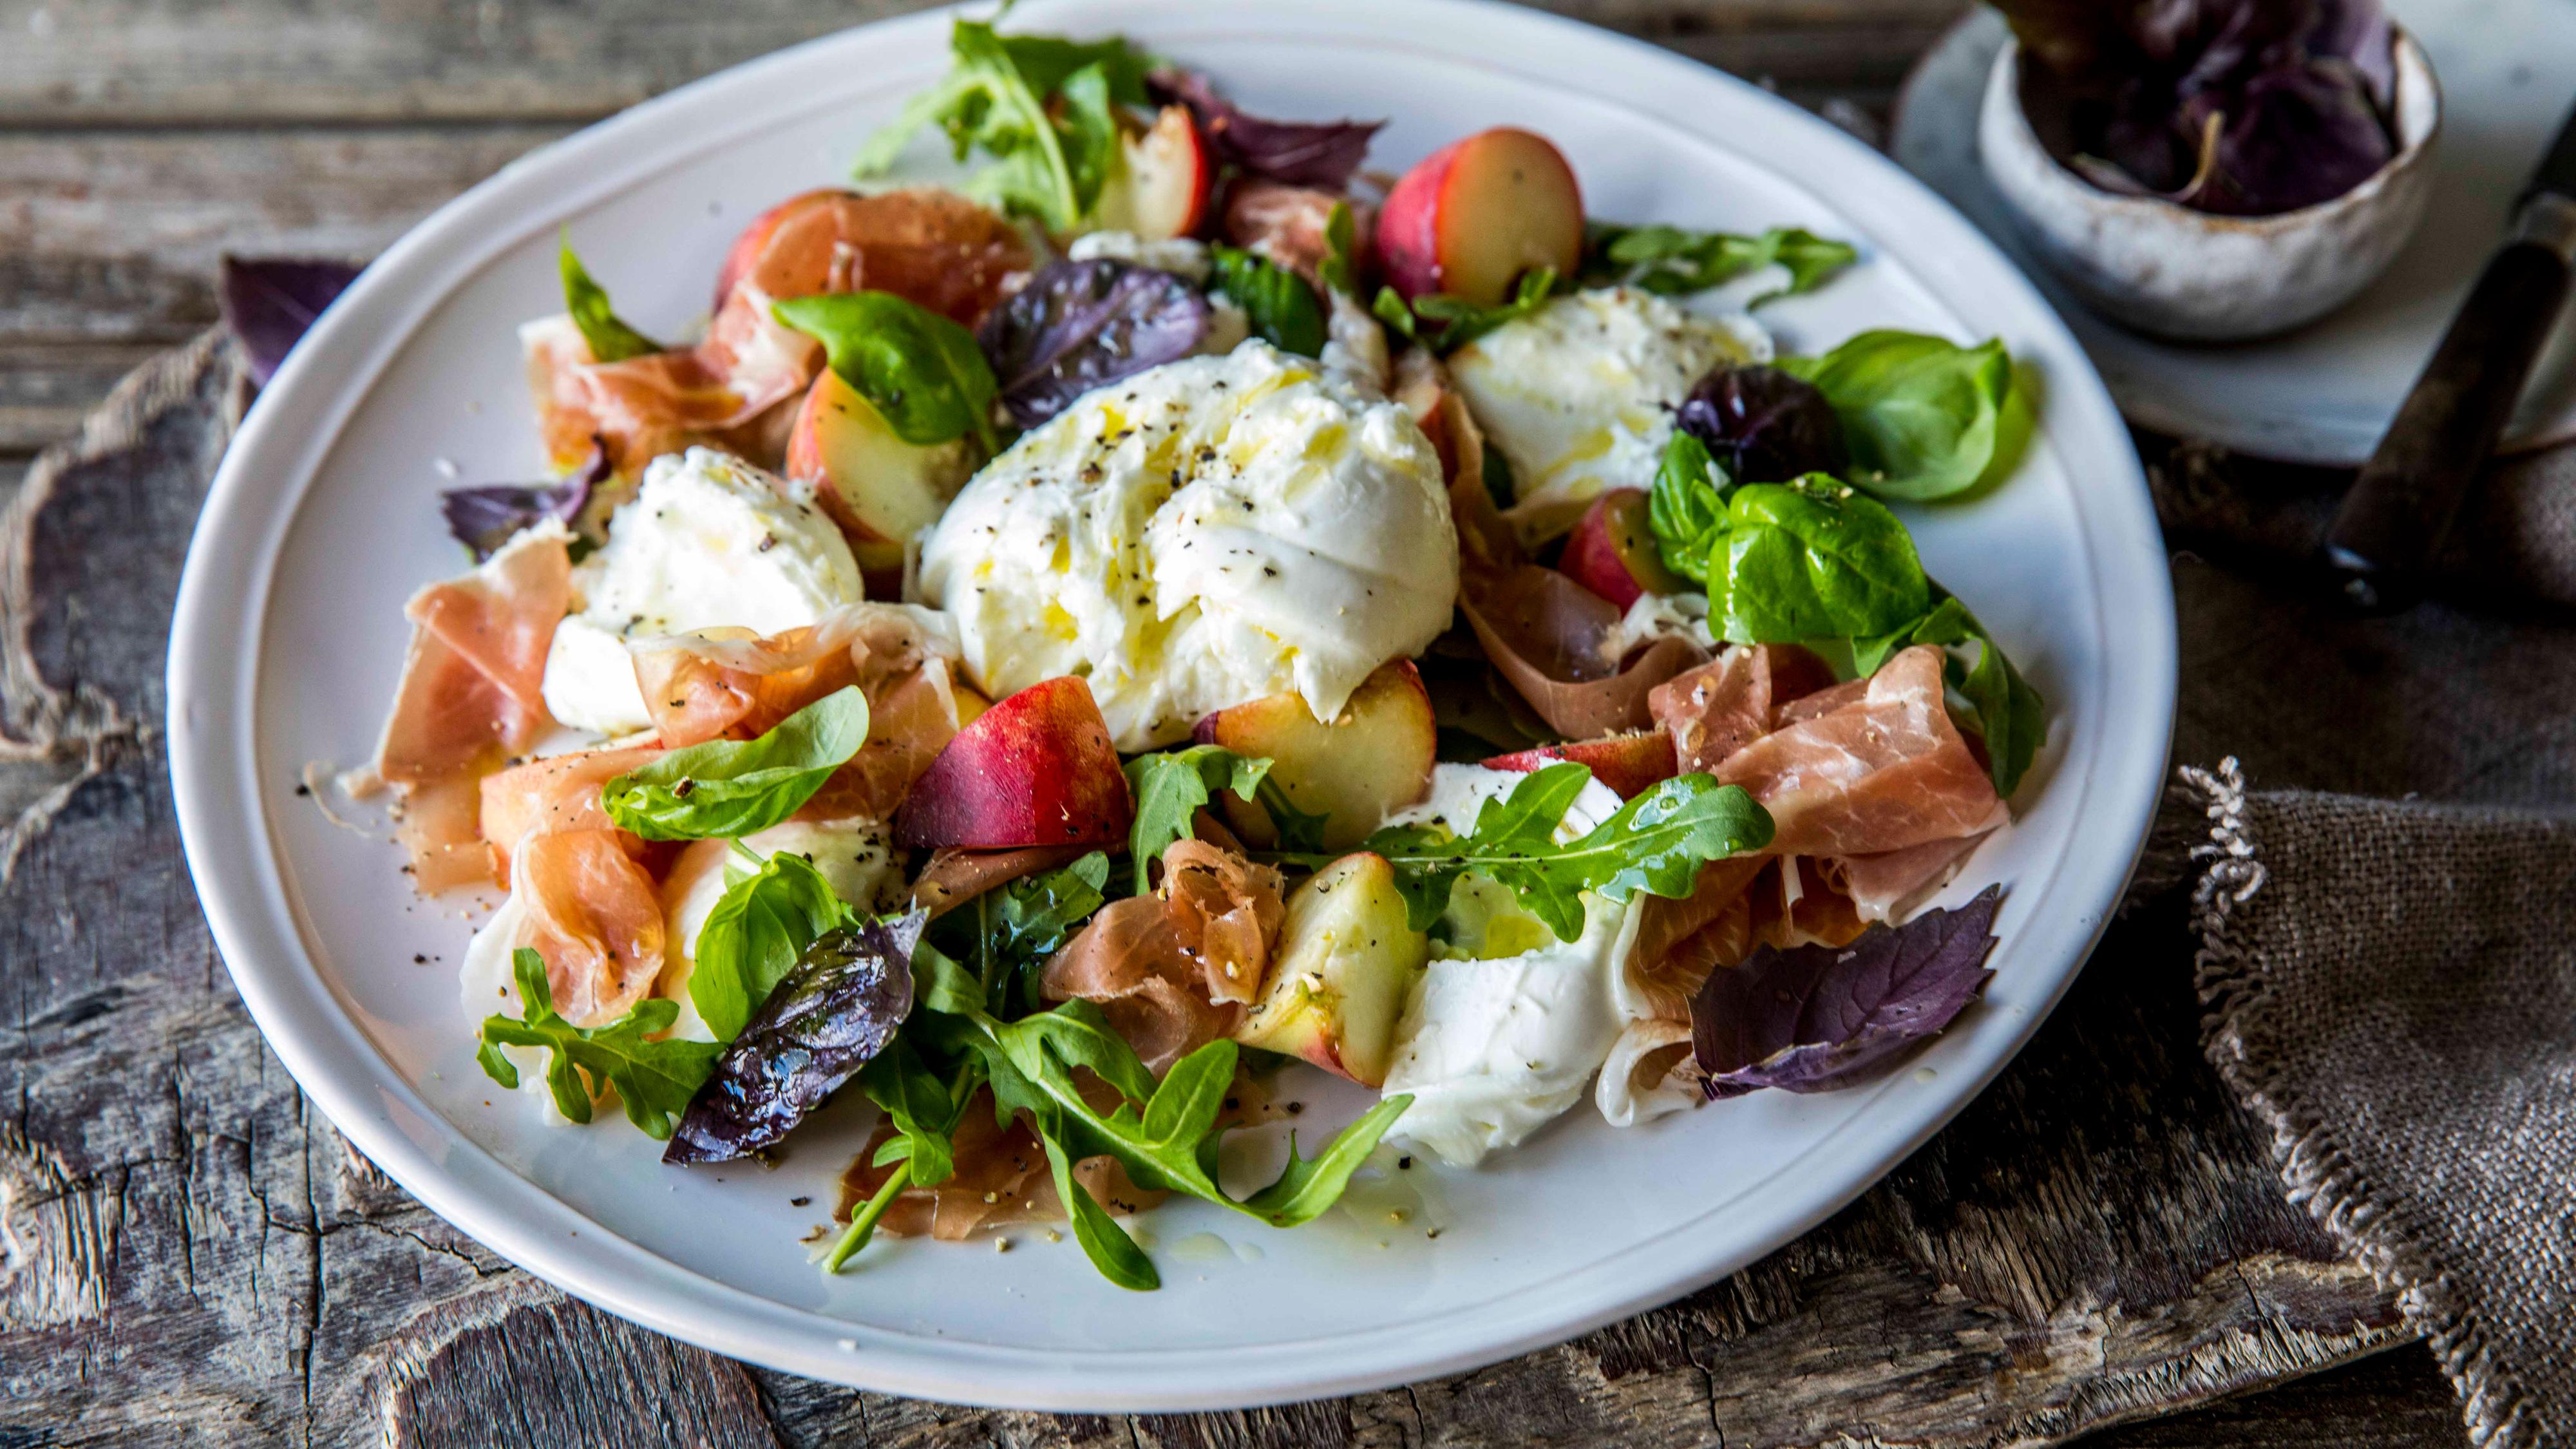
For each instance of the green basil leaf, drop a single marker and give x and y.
(610, 339)
(1172, 787)
(1811, 559)
(653, 1079)
(1686, 508)
(1925, 417)
(1283, 310)
(922, 371)
(755, 936)
(1656, 843)
(727, 789)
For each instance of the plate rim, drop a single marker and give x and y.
(224, 597)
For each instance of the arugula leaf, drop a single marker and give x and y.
(610, 339)
(1172, 1143)
(1925, 417)
(754, 936)
(922, 371)
(1671, 260)
(654, 1079)
(1039, 105)
(1656, 843)
(1284, 311)
(1339, 270)
(2003, 706)
(1172, 787)
(1079, 1035)
(1010, 931)
(925, 1112)
(727, 789)
(1461, 321)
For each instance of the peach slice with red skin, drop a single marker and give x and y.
(880, 489)
(1346, 962)
(1036, 768)
(1471, 217)
(1629, 764)
(1374, 757)
(1169, 175)
(1612, 550)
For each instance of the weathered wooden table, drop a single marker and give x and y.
(188, 1254)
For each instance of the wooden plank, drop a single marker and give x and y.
(46, 388)
(194, 1257)
(113, 236)
(170, 63)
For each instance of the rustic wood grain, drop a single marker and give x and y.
(163, 63)
(187, 1254)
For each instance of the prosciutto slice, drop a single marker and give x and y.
(1546, 633)
(1881, 885)
(594, 914)
(555, 794)
(1882, 770)
(1722, 706)
(732, 391)
(470, 697)
(1173, 971)
(732, 684)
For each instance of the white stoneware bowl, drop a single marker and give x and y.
(2191, 276)
(290, 635)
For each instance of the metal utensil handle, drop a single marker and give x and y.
(2406, 496)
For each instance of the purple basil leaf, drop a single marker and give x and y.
(484, 518)
(1764, 425)
(1815, 1018)
(2292, 137)
(268, 302)
(1079, 325)
(2357, 33)
(2236, 107)
(837, 1009)
(1299, 153)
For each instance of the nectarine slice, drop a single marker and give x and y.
(1035, 769)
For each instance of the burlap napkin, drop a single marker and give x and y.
(2391, 982)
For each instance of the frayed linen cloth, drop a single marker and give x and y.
(2391, 987)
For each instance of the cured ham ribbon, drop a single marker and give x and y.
(594, 914)
(555, 794)
(732, 684)
(470, 697)
(1173, 971)
(735, 390)
(1881, 769)
(1546, 633)
(955, 876)
(1717, 709)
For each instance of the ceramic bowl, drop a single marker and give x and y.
(2191, 276)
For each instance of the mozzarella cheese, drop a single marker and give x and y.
(854, 857)
(707, 541)
(1579, 395)
(1508, 1022)
(1199, 535)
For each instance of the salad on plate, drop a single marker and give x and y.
(1063, 653)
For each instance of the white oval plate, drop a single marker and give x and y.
(290, 635)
